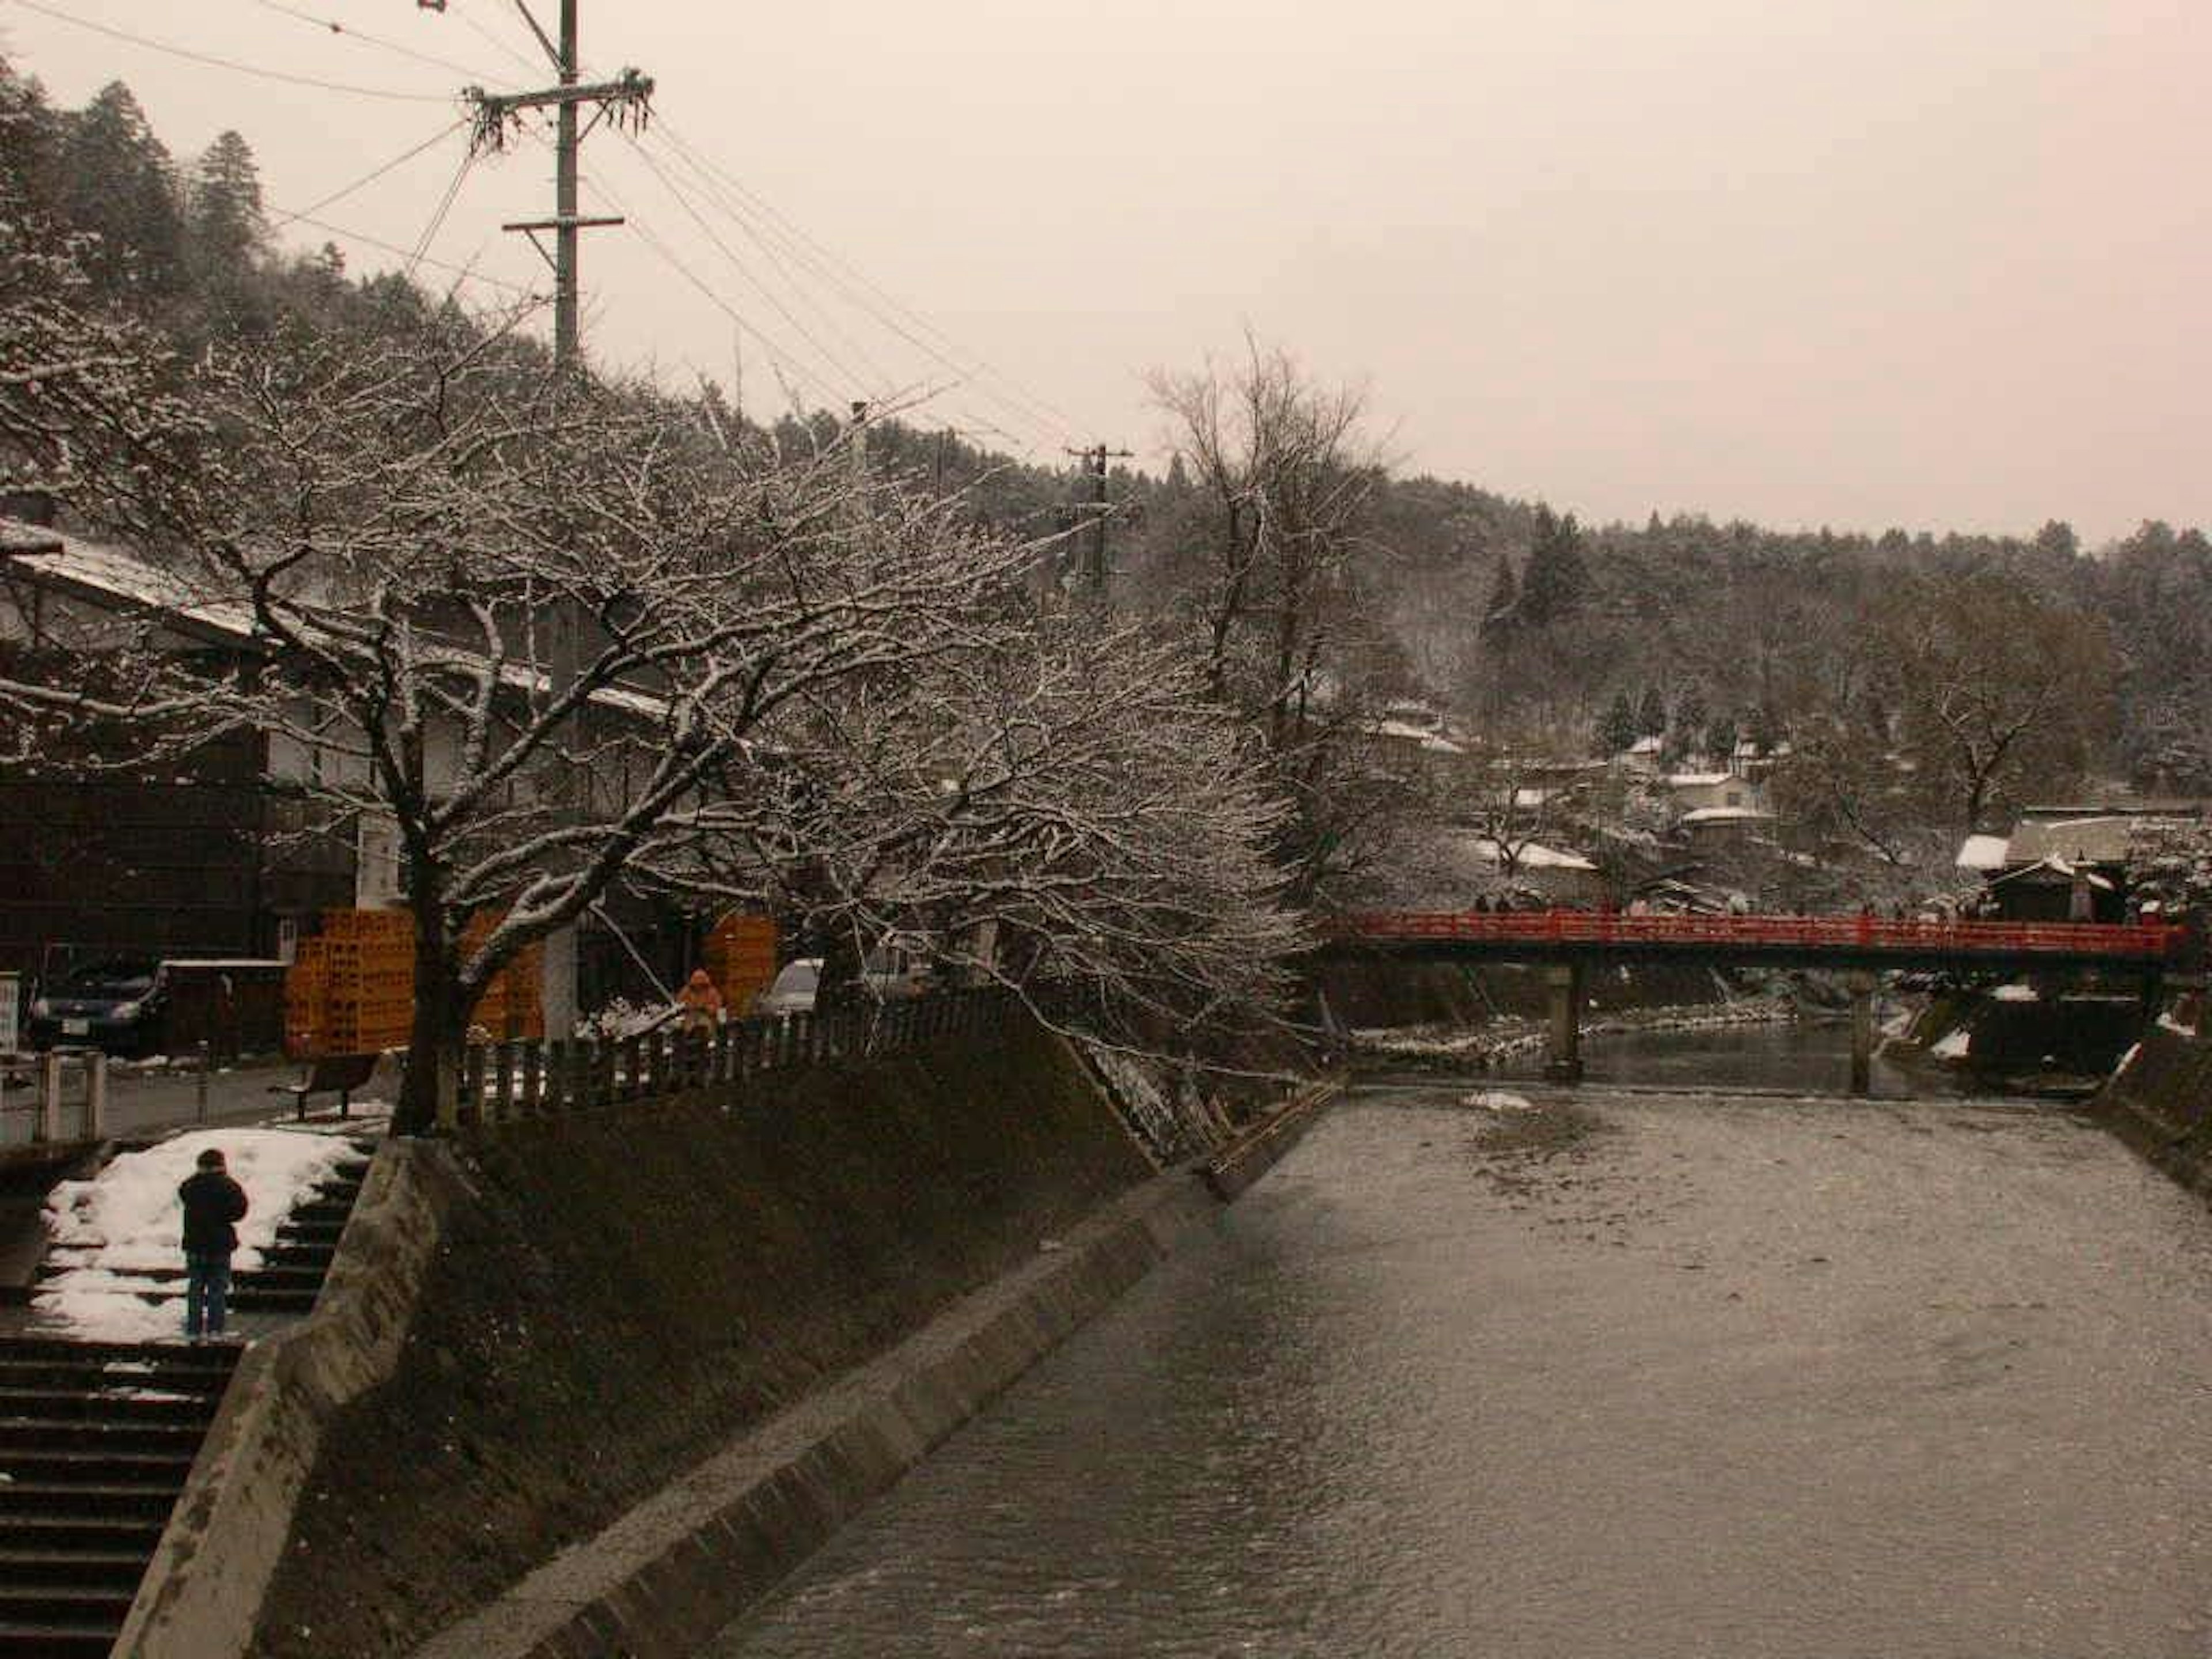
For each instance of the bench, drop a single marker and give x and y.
(332, 1074)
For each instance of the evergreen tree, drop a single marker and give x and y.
(226, 228)
(1504, 605)
(1651, 714)
(30, 137)
(1721, 737)
(1557, 578)
(117, 182)
(1616, 732)
(1690, 715)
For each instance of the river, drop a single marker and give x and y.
(1647, 1374)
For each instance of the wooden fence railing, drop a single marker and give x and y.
(529, 1079)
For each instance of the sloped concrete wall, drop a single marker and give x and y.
(2161, 1103)
(629, 1293)
(661, 1581)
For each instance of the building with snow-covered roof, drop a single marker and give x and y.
(2059, 864)
(214, 853)
(1698, 796)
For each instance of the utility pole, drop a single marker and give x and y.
(624, 99)
(1095, 461)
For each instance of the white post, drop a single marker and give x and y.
(95, 1096)
(50, 1095)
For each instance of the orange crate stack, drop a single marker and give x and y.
(740, 957)
(307, 1000)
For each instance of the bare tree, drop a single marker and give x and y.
(1042, 802)
(398, 522)
(1276, 597)
(1997, 694)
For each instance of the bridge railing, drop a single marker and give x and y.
(2131, 942)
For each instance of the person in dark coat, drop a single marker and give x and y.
(214, 1205)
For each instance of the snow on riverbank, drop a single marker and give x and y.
(127, 1221)
(1510, 1036)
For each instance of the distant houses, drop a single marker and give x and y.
(2064, 863)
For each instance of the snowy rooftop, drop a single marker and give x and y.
(1728, 815)
(2102, 840)
(1983, 853)
(1533, 856)
(1700, 780)
(1645, 746)
(1430, 741)
(104, 572)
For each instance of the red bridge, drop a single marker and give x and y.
(1571, 940)
(1786, 941)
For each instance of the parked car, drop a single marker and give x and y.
(117, 1004)
(793, 989)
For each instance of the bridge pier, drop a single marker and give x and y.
(1563, 1058)
(1862, 986)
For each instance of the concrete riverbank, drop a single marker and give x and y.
(626, 1293)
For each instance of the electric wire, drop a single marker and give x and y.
(214, 62)
(465, 13)
(1026, 444)
(824, 263)
(832, 262)
(843, 370)
(372, 176)
(348, 32)
(367, 240)
(785, 363)
(829, 324)
(1029, 412)
(438, 219)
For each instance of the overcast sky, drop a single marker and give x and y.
(1941, 264)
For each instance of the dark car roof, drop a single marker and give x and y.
(115, 970)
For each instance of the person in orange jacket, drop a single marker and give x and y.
(701, 1002)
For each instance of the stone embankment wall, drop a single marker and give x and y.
(1372, 995)
(2159, 1102)
(627, 1294)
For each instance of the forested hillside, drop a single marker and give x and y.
(1513, 616)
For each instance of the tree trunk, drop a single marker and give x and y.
(432, 1082)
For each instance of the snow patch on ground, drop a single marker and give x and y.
(2015, 994)
(2166, 1022)
(1497, 1100)
(1953, 1046)
(127, 1221)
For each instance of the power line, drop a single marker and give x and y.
(822, 255)
(883, 380)
(366, 240)
(843, 369)
(332, 26)
(1020, 416)
(372, 176)
(785, 360)
(213, 61)
(469, 22)
(1019, 405)
(438, 219)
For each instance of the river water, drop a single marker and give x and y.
(1622, 1375)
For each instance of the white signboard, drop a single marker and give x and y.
(376, 863)
(11, 997)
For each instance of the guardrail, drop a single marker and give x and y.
(529, 1079)
(2128, 942)
(53, 1116)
